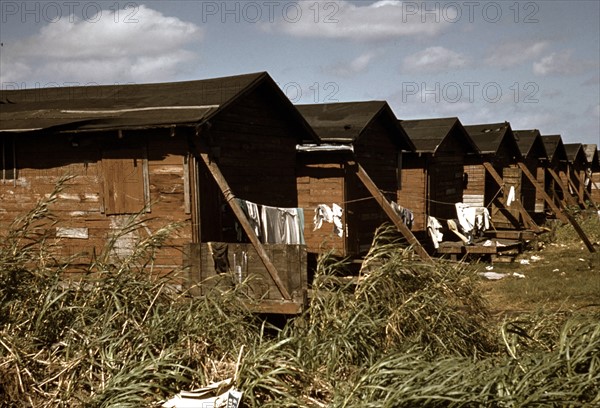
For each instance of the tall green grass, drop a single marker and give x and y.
(402, 334)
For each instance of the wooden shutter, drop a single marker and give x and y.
(123, 174)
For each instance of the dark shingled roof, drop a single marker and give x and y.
(132, 105)
(592, 156)
(489, 137)
(428, 134)
(575, 153)
(345, 122)
(530, 143)
(554, 147)
(591, 152)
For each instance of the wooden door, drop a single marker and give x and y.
(123, 176)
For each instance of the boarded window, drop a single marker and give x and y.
(8, 161)
(125, 181)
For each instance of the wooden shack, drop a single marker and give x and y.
(556, 169)
(494, 176)
(575, 174)
(179, 152)
(593, 172)
(356, 169)
(433, 175)
(534, 157)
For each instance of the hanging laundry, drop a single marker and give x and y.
(405, 214)
(511, 195)
(219, 253)
(253, 213)
(434, 229)
(338, 227)
(323, 213)
(282, 225)
(472, 219)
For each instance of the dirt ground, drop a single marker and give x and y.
(557, 277)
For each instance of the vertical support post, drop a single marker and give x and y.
(195, 199)
(186, 184)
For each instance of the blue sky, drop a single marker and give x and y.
(535, 64)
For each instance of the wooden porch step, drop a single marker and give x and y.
(522, 235)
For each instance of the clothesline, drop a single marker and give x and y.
(407, 195)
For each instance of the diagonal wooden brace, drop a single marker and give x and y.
(526, 217)
(241, 217)
(565, 190)
(564, 216)
(387, 208)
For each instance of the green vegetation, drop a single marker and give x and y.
(560, 274)
(403, 334)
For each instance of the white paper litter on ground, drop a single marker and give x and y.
(493, 275)
(498, 276)
(217, 395)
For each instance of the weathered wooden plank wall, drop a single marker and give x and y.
(257, 150)
(512, 177)
(446, 179)
(474, 190)
(290, 261)
(412, 193)
(377, 153)
(320, 180)
(83, 203)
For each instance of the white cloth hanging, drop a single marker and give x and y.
(434, 229)
(511, 195)
(282, 225)
(338, 227)
(324, 213)
(472, 219)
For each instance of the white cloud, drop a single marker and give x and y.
(348, 69)
(101, 50)
(379, 21)
(433, 60)
(514, 53)
(559, 63)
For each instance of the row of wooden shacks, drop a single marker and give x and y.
(260, 187)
